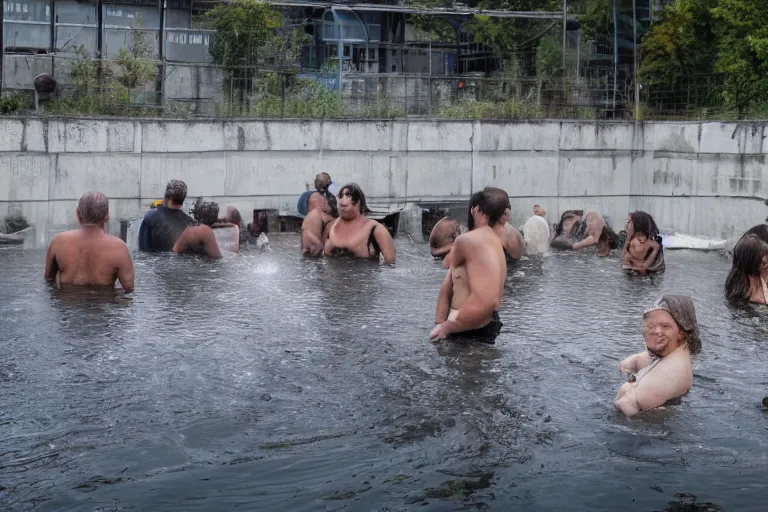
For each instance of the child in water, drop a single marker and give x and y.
(640, 250)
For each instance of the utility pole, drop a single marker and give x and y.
(634, 53)
(565, 30)
(2, 42)
(615, 56)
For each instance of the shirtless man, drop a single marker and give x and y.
(200, 239)
(663, 371)
(88, 256)
(470, 296)
(578, 230)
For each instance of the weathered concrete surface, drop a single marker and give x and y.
(704, 179)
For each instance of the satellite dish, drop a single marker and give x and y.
(45, 83)
(45, 86)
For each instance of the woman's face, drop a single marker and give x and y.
(348, 209)
(764, 267)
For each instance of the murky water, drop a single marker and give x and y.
(268, 382)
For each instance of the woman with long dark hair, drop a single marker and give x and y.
(354, 234)
(643, 252)
(749, 270)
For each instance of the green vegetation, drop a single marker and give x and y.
(122, 87)
(694, 38)
(699, 59)
(13, 103)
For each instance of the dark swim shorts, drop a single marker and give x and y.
(487, 334)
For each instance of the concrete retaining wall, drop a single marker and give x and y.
(702, 179)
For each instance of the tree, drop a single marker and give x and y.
(741, 27)
(679, 44)
(242, 28)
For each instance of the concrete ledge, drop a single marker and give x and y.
(704, 178)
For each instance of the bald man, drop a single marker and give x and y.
(88, 256)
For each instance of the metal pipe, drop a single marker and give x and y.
(52, 45)
(2, 43)
(634, 54)
(100, 27)
(565, 30)
(615, 56)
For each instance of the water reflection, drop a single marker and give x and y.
(275, 382)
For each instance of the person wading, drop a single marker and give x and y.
(663, 370)
(162, 226)
(470, 296)
(88, 256)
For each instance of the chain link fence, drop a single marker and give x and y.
(200, 90)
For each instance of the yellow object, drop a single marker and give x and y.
(155, 204)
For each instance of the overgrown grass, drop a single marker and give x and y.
(12, 103)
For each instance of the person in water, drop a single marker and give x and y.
(663, 371)
(320, 214)
(163, 225)
(199, 239)
(443, 234)
(353, 234)
(88, 255)
(643, 252)
(232, 216)
(321, 197)
(748, 278)
(511, 239)
(577, 230)
(470, 295)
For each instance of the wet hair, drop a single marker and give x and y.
(643, 223)
(322, 182)
(93, 208)
(609, 236)
(176, 191)
(206, 213)
(357, 196)
(564, 216)
(761, 231)
(747, 261)
(490, 201)
(683, 312)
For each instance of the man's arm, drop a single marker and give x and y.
(635, 362)
(444, 299)
(587, 242)
(386, 244)
(654, 390)
(125, 272)
(483, 274)
(51, 265)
